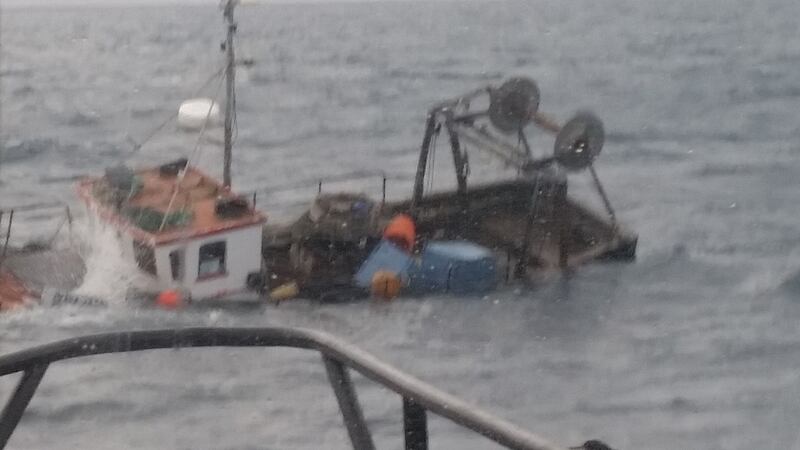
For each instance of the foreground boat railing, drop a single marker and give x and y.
(338, 356)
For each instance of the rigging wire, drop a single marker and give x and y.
(138, 145)
(432, 159)
(432, 164)
(193, 157)
(197, 147)
(235, 134)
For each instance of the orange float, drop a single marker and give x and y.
(385, 285)
(170, 299)
(402, 232)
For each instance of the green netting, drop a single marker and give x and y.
(178, 219)
(108, 194)
(136, 186)
(150, 220)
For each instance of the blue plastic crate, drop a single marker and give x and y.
(385, 256)
(458, 267)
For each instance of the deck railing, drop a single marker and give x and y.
(320, 183)
(6, 227)
(419, 398)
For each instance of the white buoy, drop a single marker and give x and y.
(192, 113)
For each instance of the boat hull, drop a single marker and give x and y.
(531, 232)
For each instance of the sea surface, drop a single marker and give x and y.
(695, 345)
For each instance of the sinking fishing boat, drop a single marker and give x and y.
(182, 227)
(199, 240)
(530, 223)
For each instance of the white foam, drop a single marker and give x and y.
(109, 275)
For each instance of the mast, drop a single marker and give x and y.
(230, 94)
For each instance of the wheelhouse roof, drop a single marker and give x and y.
(197, 195)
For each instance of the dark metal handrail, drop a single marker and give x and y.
(418, 396)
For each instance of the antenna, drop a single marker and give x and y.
(230, 86)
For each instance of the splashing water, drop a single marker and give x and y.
(109, 274)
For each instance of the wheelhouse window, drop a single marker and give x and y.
(212, 260)
(145, 257)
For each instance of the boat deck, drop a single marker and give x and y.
(196, 198)
(497, 217)
(27, 272)
(13, 293)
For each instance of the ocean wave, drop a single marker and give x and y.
(17, 151)
(21, 72)
(667, 153)
(23, 91)
(66, 413)
(323, 131)
(405, 73)
(742, 169)
(80, 119)
(676, 135)
(764, 91)
(636, 406)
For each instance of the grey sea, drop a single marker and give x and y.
(695, 345)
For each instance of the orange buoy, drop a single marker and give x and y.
(170, 299)
(401, 231)
(385, 285)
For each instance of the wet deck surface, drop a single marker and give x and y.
(197, 196)
(498, 218)
(12, 292)
(59, 269)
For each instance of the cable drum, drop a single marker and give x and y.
(513, 104)
(579, 141)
